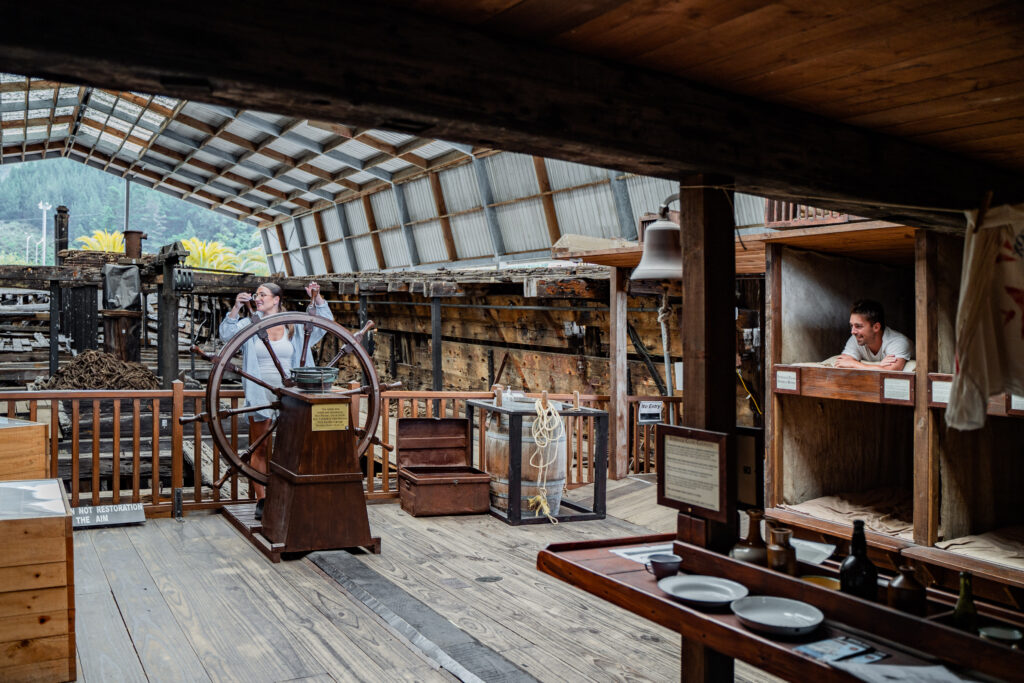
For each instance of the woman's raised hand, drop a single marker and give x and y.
(313, 290)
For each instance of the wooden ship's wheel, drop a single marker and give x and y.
(350, 344)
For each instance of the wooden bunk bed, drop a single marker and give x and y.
(845, 444)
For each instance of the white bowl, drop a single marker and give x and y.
(703, 591)
(778, 616)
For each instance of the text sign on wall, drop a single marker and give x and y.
(107, 515)
(692, 471)
(649, 412)
(329, 417)
(1016, 402)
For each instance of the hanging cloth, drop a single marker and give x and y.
(990, 317)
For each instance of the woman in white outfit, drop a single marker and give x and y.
(256, 360)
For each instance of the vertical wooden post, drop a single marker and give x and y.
(773, 356)
(926, 466)
(60, 243)
(167, 314)
(618, 408)
(709, 365)
(435, 349)
(177, 434)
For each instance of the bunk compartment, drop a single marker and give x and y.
(841, 442)
(975, 516)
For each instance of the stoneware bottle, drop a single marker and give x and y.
(907, 594)
(781, 554)
(752, 549)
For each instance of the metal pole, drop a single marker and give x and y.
(127, 201)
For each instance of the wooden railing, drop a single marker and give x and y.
(782, 214)
(137, 435)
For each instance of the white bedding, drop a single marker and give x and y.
(885, 511)
(910, 366)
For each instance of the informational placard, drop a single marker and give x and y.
(649, 412)
(786, 380)
(941, 391)
(1017, 402)
(692, 471)
(329, 417)
(896, 389)
(107, 515)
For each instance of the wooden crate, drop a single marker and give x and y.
(37, 593)
(22, 450)
(435, 473)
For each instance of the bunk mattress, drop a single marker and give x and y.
(910, 366)
(1003, 546)
(885, 511)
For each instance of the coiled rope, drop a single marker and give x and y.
(548, 431)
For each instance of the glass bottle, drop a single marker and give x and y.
(752, 549)
(781, 554)
(965, 614)
(907, 594)
(857, 574)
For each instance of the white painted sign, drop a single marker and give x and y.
(785, 380)
(107, 515)
(896, 389)
(649, 412)
(940, 391)
(1016, 402)
(691, 472)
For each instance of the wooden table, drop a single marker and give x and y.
(712, 639)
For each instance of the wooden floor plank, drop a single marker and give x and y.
(526, 601)
(105, 650)
(226, 620)
(161, 645)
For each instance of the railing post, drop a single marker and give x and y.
(177, 434)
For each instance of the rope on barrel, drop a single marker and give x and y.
(548, 431)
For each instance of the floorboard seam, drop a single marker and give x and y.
(331, 561)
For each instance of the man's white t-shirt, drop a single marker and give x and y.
(893, 344)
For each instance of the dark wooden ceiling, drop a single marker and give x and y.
(907, 111)
(948, 74)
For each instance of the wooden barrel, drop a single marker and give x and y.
(496, 454)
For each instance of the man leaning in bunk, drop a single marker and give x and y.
(872, 342)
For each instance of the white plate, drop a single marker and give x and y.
(706, 591)
(780, 616)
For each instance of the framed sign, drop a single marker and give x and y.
(897, 387)
(649, 412)
(692, 471)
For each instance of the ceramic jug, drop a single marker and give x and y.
(753, 548)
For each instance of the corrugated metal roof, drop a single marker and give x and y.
(365, 257)
(298, 264)
(308, 224)
(430, 242)
(471, 234)
(460, 189)
(523, 226)
(433, 150)
(419, 200)
(512, 176)
(397, 139)
(290, 241)
(357, 224)
(588, 211)
(332, 223)
(356, 149)
(396, 253)
(339, 258)
(748, 209)
(316, 259)
(646, 194)
(563, 174)
(384, 208)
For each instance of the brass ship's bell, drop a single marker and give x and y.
(663, 257)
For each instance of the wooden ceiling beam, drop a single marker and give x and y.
(665, 126)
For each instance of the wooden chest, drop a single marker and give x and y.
(37, 592)
(22, 449)
(435, 472)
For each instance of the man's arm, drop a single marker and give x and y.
(850, 363)
(893, 363)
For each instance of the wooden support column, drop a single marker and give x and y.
(167, 316)
(773, 355)
(709, 367)
(321, 235)
(285, 257)
(618, 407)
(442, 213)
(926, 461)
(371, 223)
(435, 343)
(547, 199)
(60, 243)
